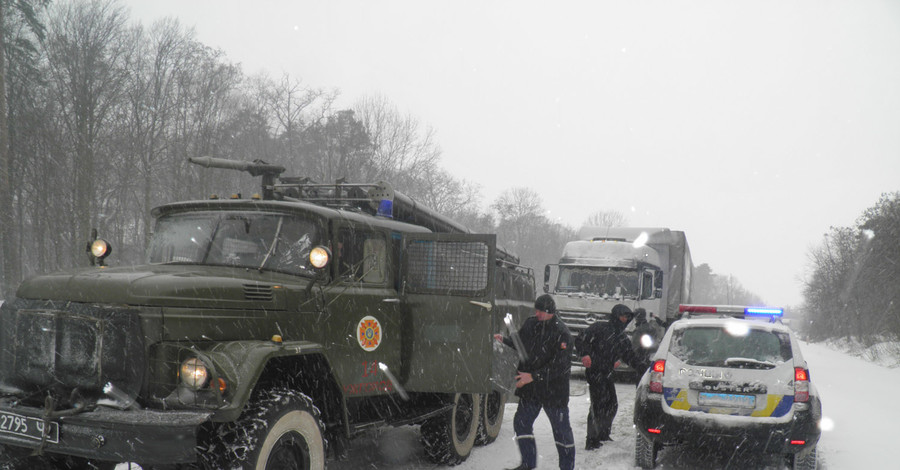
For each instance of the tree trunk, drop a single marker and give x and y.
(8, 276)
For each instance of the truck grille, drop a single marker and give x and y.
(579, 321)
(63, 346)
(257, 292)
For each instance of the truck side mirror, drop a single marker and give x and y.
(546, 278)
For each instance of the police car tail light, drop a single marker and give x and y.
(801, 385)
(656, 375)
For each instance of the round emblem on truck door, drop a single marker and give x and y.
(369, 333)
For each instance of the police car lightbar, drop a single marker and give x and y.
(732, 310)
(764, 311)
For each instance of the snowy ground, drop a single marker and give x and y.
(398, 449)
(858, 400)
(859, 410)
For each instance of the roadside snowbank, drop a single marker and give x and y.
(885, 352)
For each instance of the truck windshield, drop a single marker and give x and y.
(600, 281)
(277, 242)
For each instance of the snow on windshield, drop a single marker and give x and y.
(600, 281)
(278, 242)
(716, 346)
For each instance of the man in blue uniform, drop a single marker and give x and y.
(542, 382)
(600, 346)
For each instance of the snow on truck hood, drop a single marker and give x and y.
(159, 285)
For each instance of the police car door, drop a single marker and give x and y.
(447, 285)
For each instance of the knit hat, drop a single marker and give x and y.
(545, 303)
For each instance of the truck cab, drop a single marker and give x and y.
(321, 310)
(647, 268)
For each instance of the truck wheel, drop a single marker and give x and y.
(644, 451)
(449, 439)
(804, 461)
(492, 406)
(279, 429)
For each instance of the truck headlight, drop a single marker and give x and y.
(100, 248)
(319, 257)
(194, 374)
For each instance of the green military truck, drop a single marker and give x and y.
(264, 333)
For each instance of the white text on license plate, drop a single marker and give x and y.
(727, 399)
(26, 426)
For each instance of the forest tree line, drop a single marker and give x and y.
(100, 116)
(853, 289)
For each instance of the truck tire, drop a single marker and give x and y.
(279, 429)
(492, 406)
(645, 451)
(449, 439)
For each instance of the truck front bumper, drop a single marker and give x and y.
(144, 436)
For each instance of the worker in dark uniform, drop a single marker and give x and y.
(647, 334)
(542, 382)
(600, 346)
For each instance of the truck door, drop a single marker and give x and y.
(447, 283)
(365, 324)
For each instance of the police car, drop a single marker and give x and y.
(729, 377)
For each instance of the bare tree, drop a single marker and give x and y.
(711, 288)
(525, 230)
(402, 151)
(206, 87)
(447, 194)
(606, 219)
(826, 290)
(19, 27)
(294, 107)
(86, 49)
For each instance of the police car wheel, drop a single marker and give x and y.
(492, 406)
(449, 439)
(645, 452)
(279, 429)
(804, 461)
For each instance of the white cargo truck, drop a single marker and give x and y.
(647, 268)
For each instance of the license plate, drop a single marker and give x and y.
(26, 426)
(727, 399)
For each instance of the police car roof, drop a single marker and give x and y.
(757, 314)
(719, 322)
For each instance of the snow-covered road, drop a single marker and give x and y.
(398, 448)
(859, 406)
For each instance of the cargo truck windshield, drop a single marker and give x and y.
(277, 242)
(599, 281)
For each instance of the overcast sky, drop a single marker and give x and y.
(752, 125)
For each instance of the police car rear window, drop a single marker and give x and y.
(725, 347)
